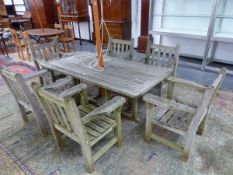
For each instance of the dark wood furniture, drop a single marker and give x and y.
(142, 39)
(47, 11)
(44, 33)
(117, 16)
(70, 11)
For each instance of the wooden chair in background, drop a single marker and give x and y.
(67, 37)
(182, 119)
(20, 43)
(85, 124)
(163, 56)
(25, 98)
(121, 48)
(47, 52)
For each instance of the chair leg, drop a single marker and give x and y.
(201, 126)
(21, 50)
(185, 156)
(28, 54)
(87, 154)
(64, 46)
(149, 114)
(58, 138)
(118, 134)
(23, 113)
(17, 48)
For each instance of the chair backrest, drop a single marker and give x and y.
(61, 112)
(58, 26)
(18, 87)
(45, 52)
(160, 55)
(121, 48)
(68, 31)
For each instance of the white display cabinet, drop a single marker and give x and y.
(208, 20)
(180, 18)
(222, 37)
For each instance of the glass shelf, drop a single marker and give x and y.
(183, 15)
(183, 33)
(192, 22)
(223, 30)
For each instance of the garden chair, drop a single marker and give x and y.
(184, 120)
(85, 124)
(25, 98)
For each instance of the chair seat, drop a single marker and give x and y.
(99, 127)
(173, 120)
(96, 128)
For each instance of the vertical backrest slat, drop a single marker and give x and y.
(65, 118)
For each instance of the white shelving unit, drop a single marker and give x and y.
(223, 30)
(210, 21)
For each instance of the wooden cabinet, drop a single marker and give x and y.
(47, 11)
(117, 16)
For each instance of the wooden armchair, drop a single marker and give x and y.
(20, 43)
(121, 48)
(85, 124)
(177, 117)
(25, 98)
(163, 56)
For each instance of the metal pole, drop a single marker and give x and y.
(210, 33)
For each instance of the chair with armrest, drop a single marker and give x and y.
(25, 98)
(184, 120)
(85, 124)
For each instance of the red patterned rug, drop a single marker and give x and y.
(15, 66)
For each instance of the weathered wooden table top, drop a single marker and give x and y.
(129, 78)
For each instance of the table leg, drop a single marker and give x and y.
(134, 109)
(106, 95)
(160, 87)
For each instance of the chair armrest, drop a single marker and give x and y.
(39, 73)
(187, 83)
(73, 91)
(106, 108)
(166, 103)
(59, 83)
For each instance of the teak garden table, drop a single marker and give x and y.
(128, 78)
